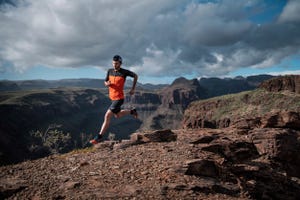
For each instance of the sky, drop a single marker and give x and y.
(159, 40)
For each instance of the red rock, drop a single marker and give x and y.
(289, 83)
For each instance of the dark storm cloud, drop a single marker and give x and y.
(155, 38)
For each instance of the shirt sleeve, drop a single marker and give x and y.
(107, 76)
(129, 73)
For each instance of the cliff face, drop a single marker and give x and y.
(181, 92)
(284, 83)
(146, 103)
(173, 99)
(258, 108)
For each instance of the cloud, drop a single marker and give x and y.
(155, 38)
(291, 12)
(296, 72)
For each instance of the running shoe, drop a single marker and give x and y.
(134, 113)
(97, 139)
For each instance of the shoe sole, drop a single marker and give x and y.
(94, 142)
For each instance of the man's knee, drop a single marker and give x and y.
(108, 114)
(117, 115)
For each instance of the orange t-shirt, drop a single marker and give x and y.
(117, 81)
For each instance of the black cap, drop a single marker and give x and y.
(117, 58)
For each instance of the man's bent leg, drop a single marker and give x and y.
(122, 113)
(127, 112)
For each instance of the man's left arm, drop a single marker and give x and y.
(135, 78)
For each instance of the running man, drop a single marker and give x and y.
(115, 80)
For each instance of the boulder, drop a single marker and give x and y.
(155, 136)
(280, 145)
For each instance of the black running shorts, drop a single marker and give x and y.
(115, 106)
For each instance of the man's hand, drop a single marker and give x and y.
(135, 78)
(107, 83)
(131, 92)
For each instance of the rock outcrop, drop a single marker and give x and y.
(284, 83)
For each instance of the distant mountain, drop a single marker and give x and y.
(7, 85)
(46, 84)
(217, 86)
(147, 86)
(258, 79)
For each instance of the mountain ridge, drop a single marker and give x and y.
(10, 85)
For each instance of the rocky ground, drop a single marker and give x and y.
(182, 164)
